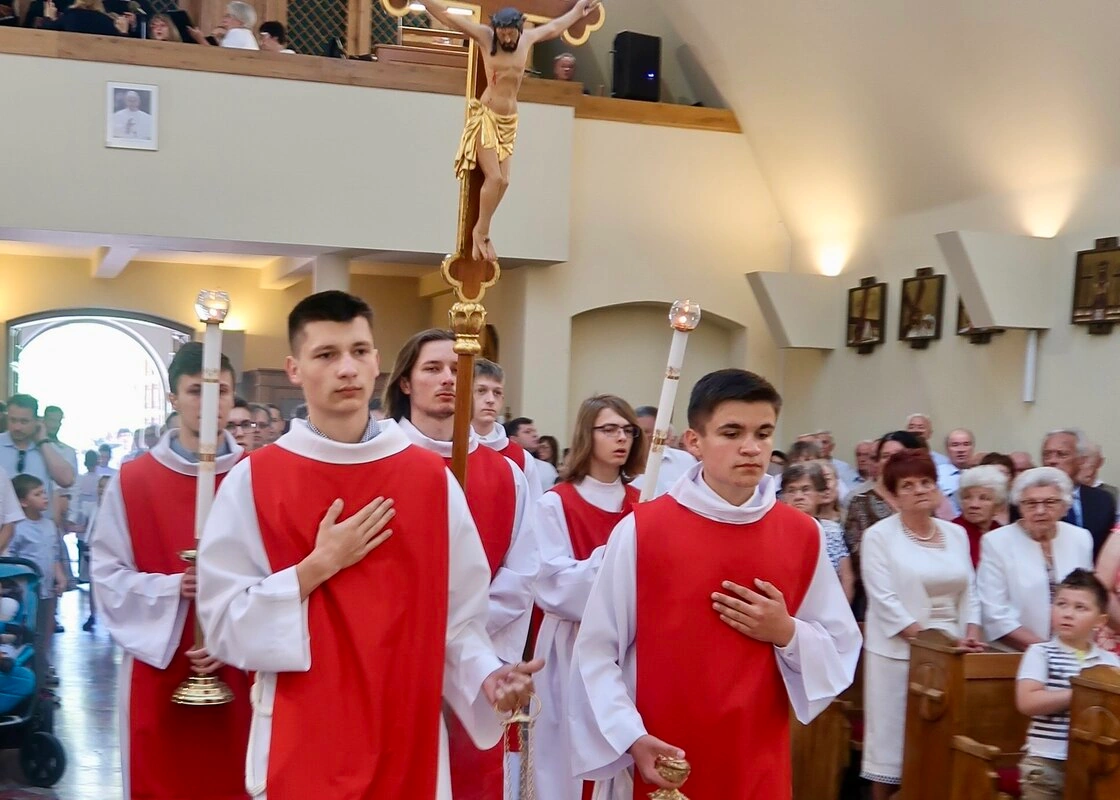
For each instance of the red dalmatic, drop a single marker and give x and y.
(363, 722)
(492, 498)
(589, 526)
(701, 685)
(515, 453)
(177, 752)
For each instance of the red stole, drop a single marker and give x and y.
(492, 498)
(515, 453)
(363, 722)
(728, 708)
(169, 742)
(589, 526)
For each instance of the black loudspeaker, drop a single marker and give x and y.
(637, 67)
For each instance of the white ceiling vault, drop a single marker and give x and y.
(860, 110)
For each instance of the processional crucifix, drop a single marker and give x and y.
(483, 160)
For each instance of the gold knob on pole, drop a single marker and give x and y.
(200, 690)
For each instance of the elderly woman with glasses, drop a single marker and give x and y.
(1021, 563)
(918, 575)
(804, 487)
(982, 495)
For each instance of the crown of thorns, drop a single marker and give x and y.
(508, 18)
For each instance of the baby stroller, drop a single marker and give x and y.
(30, 724)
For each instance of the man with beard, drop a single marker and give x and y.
(491, 129)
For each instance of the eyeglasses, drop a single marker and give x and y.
(631, 431)
(21, 461)
(245, 425)
(1049, 505)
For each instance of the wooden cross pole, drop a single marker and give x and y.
(470, 279)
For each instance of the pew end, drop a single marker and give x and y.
(954, 694)
(1093, 766)
(974, 775)
(821, 752)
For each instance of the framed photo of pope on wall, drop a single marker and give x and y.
(132, 116)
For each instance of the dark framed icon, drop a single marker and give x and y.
(1096, 288)
(867, 311)
(921, 312)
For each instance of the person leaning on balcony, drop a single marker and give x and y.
(235, 30)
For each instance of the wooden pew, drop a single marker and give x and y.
(952, 693)
(974, 775)
(820, 752)
(1093, 767)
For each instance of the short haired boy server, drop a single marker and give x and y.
(358, 633)
(715, 609)
(144, 592)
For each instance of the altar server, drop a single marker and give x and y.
(144, 591)
(574, 519)
(489, 395)
(420, 398)
(715, 610)
(342, 566)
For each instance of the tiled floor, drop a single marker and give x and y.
(86, 722)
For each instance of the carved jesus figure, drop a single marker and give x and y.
(491, 129)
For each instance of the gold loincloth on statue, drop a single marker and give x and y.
(487, 130)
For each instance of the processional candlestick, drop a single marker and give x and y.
(684, 316)
(211, 308)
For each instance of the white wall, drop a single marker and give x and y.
(689, 218)
(622, 350)
(961, 384)
(248, 159)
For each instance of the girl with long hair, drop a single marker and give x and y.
(574, 521)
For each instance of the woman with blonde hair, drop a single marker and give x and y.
(574, 520)
(163, 29)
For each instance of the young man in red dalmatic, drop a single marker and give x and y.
(358, 632)
(420, 397)
(715, 610)
(489, 395)
(144, 592)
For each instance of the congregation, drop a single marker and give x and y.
(238, 28)
(551, 571)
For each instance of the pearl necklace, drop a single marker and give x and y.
(922, 540)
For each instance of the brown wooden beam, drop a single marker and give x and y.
(359, 27)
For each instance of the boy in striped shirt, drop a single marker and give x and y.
(1042, 689)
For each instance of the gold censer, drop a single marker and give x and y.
(675, 770)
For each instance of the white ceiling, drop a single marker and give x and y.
(859, 110)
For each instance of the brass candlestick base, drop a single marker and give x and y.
(200, 690)
(672, 769)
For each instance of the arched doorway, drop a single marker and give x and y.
(106, 370)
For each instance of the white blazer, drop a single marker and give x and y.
(1013, 583)
(896, 596)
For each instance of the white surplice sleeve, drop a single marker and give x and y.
(511, 591)
(470, 656)
(604, 722)
(533, 479)
(144, 611)
(253, 618)
(563, 583)
(820, 661)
